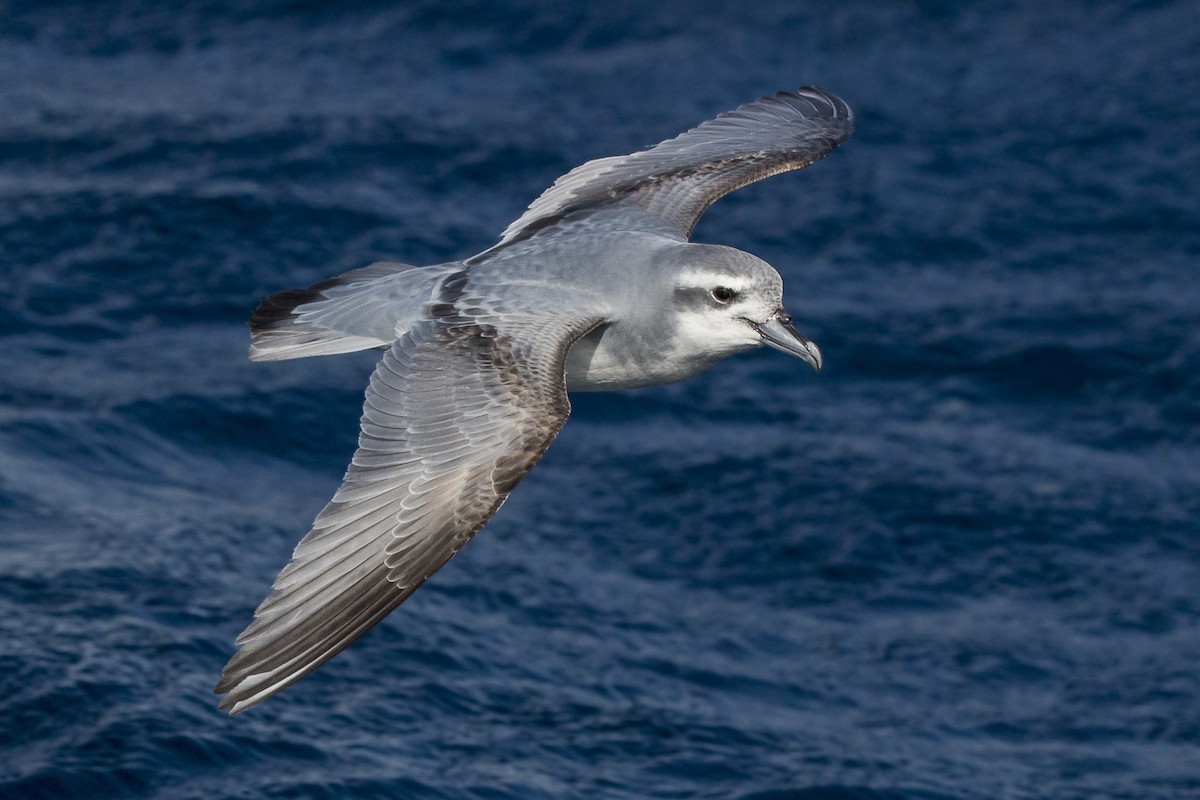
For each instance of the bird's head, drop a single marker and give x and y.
(728, 301)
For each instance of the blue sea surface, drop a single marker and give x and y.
(961, 562)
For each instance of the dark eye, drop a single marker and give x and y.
(723, 294)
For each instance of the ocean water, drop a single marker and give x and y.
(961, 562)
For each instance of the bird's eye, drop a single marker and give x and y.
(723, 294)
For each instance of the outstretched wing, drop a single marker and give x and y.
(681, 177)
(456, 413)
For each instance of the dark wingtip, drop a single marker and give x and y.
(839, 110)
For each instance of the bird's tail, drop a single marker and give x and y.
(353, 311)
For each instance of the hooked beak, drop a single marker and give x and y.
(779, 333)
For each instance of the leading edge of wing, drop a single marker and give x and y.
(680, 177)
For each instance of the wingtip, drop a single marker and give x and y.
(816, 105)
(224, 690)
(232, 707)
(839, 108)
(227, 703)
(248, 690)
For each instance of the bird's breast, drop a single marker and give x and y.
(611, 358)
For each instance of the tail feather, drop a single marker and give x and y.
(338, 315)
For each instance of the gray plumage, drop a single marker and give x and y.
(595, 287)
